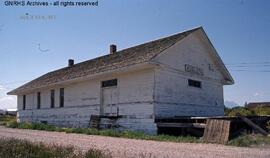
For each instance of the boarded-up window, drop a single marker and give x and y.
(194, 83)
(109, 83)
(52, 98)
(61, 98)
(38, 100)
(24, 102)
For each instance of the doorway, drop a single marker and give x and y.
(109, 98)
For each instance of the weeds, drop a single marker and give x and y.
(258, 111)
(4, 119)
(242, 141)
(250, 140)
(107, 132)
(93, 153)
(21, 148)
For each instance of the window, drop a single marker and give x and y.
(109, 83)
(194, 83)
(52, 98)
(61, 99)
(24, 102)
(38, 100)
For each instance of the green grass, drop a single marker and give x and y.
(250, 140)
(15, 148)
(107, 132)
(242, 141)
(4, 119)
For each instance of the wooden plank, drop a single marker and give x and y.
(94, 121)
(216, 131)
(253, 125)
(181, 125)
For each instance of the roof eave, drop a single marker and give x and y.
(227, 76)
(84, 78)
(11, 93)
(228, 82)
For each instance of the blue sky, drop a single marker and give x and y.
(239, 30)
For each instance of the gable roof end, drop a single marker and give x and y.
(226, 74)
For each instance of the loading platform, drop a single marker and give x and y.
(217, 129)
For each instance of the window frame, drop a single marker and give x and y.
(52, 98)
(194, 83)
(109, 83)
(61, 97)
(38, 100)
(24, 102)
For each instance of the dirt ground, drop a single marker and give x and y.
(121, 147)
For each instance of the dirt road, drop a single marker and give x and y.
(121, 147)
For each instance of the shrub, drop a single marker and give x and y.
(5, 119)
(258, 111)
(93, 153)
(78, 130)
(12, 124)
(261, 111)
(25, 125)
(20, 148)
(241, 110)
(41, 126)
(92, 131)
(14, 148)
(250, 140)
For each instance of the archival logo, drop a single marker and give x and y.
(44, 3)
(37, 17)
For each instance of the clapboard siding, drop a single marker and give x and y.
(155, 85)
(193, 51)
(82, 99)
(66, 117)
(173, 96)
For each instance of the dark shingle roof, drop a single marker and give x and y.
(130, 56)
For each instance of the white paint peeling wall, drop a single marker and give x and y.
(135, 103)
(142, 95)
(173, 96)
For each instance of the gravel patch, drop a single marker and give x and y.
(131, 148)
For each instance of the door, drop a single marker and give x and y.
(109, 101)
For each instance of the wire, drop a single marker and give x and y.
(246, 63)
(252, 70)
(249, 66)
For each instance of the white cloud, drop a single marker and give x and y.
(257, 94)
(7, 98)
(8, 102)
(2, 88)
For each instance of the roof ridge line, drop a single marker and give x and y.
(163, 37)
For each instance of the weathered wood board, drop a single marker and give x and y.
(94, 121)
(217, 131)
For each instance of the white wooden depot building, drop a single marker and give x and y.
(179, 75)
